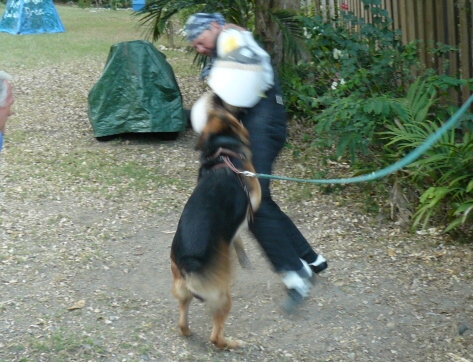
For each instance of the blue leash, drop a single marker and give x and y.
(409, 158)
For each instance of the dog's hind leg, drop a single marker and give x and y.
(220, 314)
(184, 296)
(184, 315)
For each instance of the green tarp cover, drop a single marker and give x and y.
(136, 93)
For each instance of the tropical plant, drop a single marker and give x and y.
(156, 14)
(444, 174)
(356, 69)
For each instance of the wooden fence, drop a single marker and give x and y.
(440, 21)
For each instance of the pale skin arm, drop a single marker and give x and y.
(5, 111)
(3, 119)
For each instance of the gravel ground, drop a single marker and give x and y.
(86, 228)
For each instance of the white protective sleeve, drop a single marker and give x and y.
(231, 39)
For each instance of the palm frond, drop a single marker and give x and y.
(238, 12)
(155, 15)
(293, 34)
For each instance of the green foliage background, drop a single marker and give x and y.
(360, 100)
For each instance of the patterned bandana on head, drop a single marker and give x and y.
(199, 22)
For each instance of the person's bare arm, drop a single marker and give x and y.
(5, 107)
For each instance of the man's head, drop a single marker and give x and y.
(202, 30)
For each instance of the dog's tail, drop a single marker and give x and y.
(214, 267)
(192, 264)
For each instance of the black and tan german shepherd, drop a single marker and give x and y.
(218, 209)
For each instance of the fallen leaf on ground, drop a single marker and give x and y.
(77, 305)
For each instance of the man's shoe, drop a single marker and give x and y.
(298, 285)
(319, 264)
(292, 302)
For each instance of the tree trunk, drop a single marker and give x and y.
(267, 31)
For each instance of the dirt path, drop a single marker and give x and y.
(85, 234)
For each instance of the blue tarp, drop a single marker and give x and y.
(30, 17)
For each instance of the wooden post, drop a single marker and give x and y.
(430, 25)
(317, 7)
(388, 5)
(396, 21)
(465, 46)
(332, 9)
(439, 34)
(452, 40)
(403, 20)
(356, 10)
(421, 29)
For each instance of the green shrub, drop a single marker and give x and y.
(354, 93)
(84, 4)
(355, 69)
(444, 174)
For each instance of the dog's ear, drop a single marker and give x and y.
(215, 125)
(238, 129)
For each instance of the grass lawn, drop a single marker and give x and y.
(89, 34)
(52, 76)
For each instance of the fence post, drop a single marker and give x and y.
(446, 21)
(465, 46)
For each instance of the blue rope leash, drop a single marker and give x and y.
(409, 158)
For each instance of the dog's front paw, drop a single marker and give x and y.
(228, 343)
(231, 344)
(185, 331)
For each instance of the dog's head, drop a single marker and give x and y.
(221, 123)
